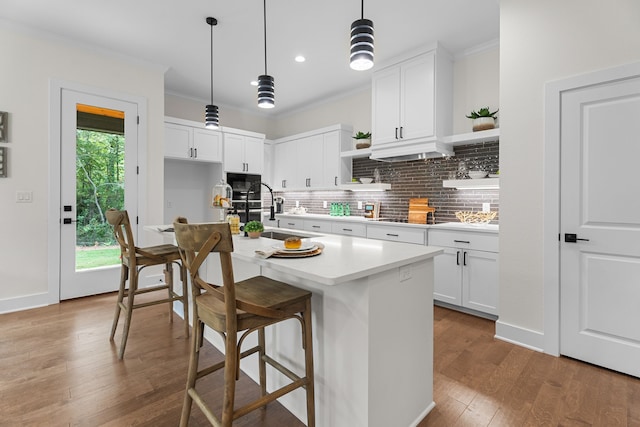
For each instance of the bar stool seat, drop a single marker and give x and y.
(133, 261)
(246, 306)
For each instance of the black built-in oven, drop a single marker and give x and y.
(241, 183)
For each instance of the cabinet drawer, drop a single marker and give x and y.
(464, 239)
(396, 234)
(317, 226)
(297, 224)
(349, 229)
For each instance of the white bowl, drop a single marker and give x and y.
(477, 174)
(366, 180)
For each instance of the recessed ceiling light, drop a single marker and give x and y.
(254, 83)
(300, 58)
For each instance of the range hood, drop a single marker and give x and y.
(402, 152)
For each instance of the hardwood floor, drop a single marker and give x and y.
(481, 381)
(58, 368)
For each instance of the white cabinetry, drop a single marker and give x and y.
(397, 234)
(189, 141)
(466, 275)
(312, 161)
(412, 99)
(317, 226)
(349, 228)
(243, 153)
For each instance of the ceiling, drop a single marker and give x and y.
(174, 35)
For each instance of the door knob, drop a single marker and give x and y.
(573, 238)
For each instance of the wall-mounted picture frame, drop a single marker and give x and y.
(4, 116)
(3, 162)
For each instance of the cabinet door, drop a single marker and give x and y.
(309, 162)
(448, 276)
(284, 165)
(254, 155)
(177, 141)
(331, 174)
(234, 153)
(385, 105)
(480, 281)
(417, 98)
(207, 145)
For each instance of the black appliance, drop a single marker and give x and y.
(241, 183)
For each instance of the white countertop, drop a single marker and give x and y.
(487, 228)
(343, 259)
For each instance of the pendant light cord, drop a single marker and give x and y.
(211, 64)
(265, 35)
(362, 9)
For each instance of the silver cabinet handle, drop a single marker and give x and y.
(396, 133)
(392, 235)
(462, 241)
(401, 127)
(190, 152)
(335, 181)
(315, 226)
(347, 229)
(196, 152)
(458, 258)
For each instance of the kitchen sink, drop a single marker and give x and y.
(277, 235)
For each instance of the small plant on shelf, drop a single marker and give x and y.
(363, 139)
(483, 119)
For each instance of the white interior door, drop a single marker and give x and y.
(83, 165)
(600, 206)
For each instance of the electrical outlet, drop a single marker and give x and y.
(405, 273)
(486, 207)
(324, 204)
(297, 204)
(359, 205)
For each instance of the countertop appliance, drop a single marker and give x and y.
(279, 201)
(372, 210)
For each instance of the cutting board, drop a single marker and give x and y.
(418, 210)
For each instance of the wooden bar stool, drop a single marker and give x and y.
(246, 307)
(134, 259)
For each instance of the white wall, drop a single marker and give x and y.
(542, 41)
(191, 109)
(476, 82)
(29, 61)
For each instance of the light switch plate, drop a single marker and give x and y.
(24, 196)
(486, 207)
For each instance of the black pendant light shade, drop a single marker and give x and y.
(211, 118)
(266, 88)
(266, 83)
(361, 43)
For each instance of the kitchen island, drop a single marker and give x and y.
(372, 324)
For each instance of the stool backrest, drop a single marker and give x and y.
(195, 242)
(119, 220)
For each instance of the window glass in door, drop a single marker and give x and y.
(98, 172)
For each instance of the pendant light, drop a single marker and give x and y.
(361, 42)
(211, 119)
(266, 84)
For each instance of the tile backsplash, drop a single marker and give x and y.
(418, 178)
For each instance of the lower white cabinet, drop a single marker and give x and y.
(397, 234)
(297, 224)
(317, 226)
(349, 229)
(466, 274)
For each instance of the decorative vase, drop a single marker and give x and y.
(483, 123)
(363, 143)
(254, 234)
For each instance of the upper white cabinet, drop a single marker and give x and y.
(412, 99)
(312, 161)
(190, 140)
(243, 153)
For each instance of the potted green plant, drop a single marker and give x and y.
(253, 229)
(363, 139)
(483, 119)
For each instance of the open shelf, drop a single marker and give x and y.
(472, 184)
(473, 137)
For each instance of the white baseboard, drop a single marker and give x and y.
(423, 414)
(523, 337)
(24, 302)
